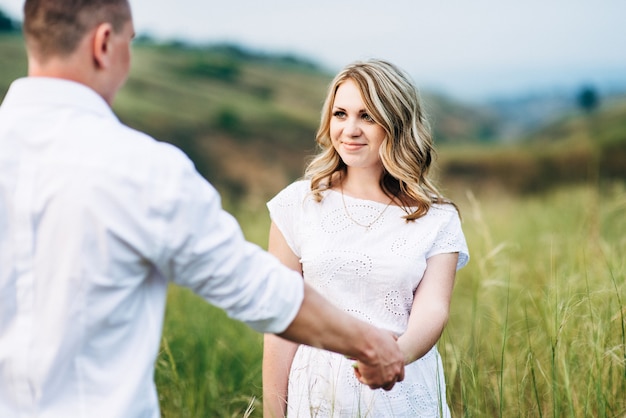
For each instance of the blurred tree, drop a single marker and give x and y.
(6, 23)
(588, 99)
(227, 119)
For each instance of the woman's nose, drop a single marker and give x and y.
(352, 127)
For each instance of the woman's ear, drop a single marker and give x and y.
(101, 48)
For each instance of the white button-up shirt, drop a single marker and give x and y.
(95, 220)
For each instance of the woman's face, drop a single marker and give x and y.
(354, 134)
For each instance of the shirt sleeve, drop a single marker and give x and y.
(284, 212)
(204, 249)
(450, 239)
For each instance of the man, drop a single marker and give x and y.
(96, 219)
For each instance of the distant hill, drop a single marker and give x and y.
(577, 147)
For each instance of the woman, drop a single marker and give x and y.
(369, 230)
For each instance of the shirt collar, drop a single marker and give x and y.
(48, 91)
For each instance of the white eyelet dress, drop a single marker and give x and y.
(371, 273)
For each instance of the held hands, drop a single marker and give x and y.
(385, 366)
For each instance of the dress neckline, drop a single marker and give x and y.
(347, 196)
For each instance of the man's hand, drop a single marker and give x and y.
(385, 366)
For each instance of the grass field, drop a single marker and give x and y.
(536, 329)
(537, 325)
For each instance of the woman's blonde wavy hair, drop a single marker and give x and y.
(407, 151)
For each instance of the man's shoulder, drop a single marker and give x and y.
(118, 148)
(135, 141)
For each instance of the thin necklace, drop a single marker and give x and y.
(368, 226)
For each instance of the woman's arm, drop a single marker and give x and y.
(277, 357)
(278, 353)
(431, 307)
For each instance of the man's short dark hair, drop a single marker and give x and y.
(56, 27)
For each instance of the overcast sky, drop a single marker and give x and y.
(466, 48)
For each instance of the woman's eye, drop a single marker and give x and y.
(367, 117)
(339, 114)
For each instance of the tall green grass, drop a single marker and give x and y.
(209, 365)
(537, 323)
(536, 328)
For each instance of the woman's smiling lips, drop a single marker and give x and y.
(352, 146)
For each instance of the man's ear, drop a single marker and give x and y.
(102, 45)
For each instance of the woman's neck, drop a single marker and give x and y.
(362, 184)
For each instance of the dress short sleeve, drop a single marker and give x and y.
(450, 237)
(285, 211)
